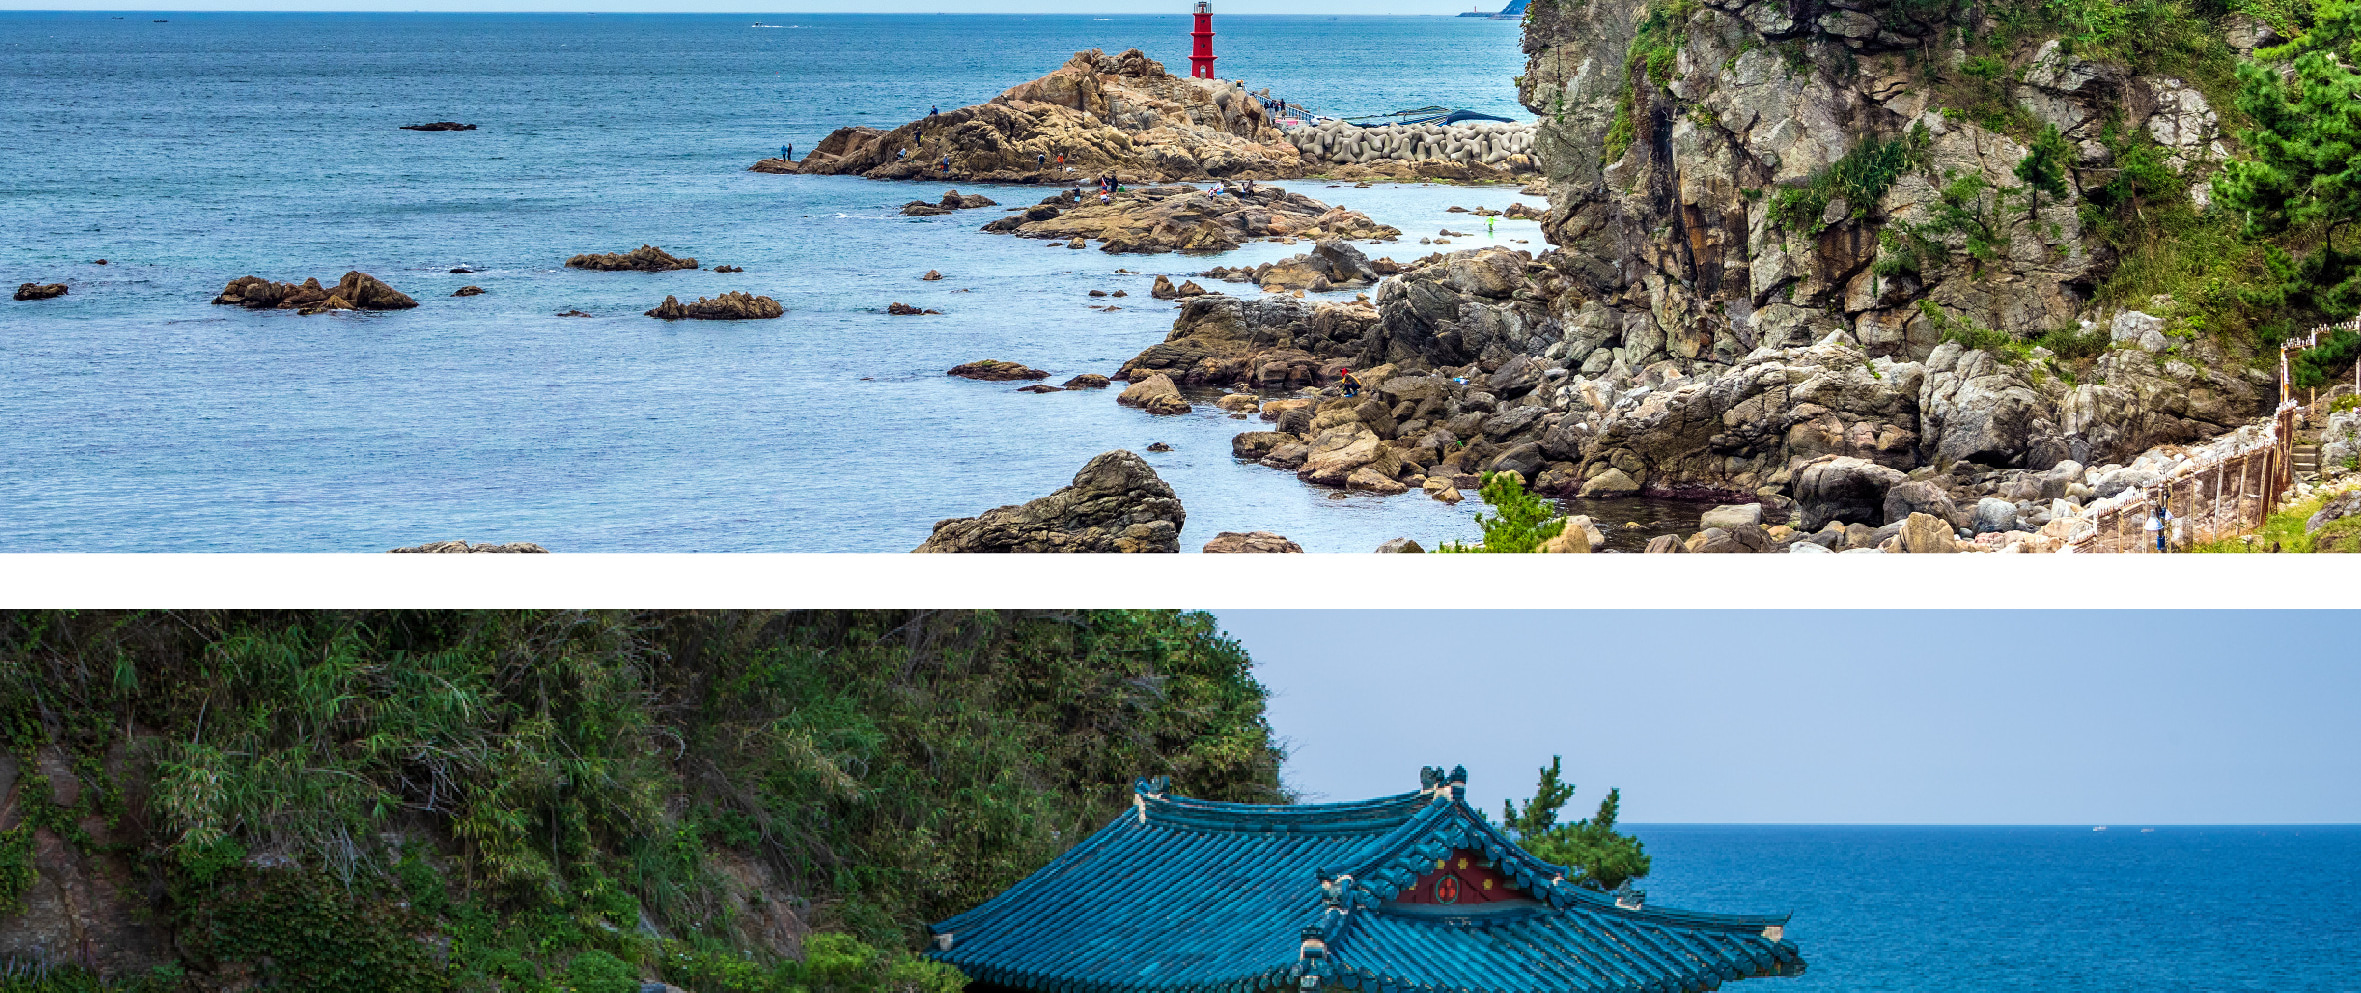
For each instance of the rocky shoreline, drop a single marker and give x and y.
(1183, 218)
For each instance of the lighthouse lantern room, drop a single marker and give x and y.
(1201, 57)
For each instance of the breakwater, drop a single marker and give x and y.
(1485, 143)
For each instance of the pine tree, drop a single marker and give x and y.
(1523, 522)
(1603, 858)
(2043, 169)
(2301, 175)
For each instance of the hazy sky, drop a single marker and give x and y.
(1225, 7)
(2055, 717)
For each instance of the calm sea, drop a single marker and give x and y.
(187, 152)
(2033, 909)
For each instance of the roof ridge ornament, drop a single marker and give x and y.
(1630, 899)
(1145, 787)
(1432, 779)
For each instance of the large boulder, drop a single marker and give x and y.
(1116, 503)
(1842, 488)
(996, 371)
(1923, 533)
(40, 291)
(1902, 500)
(1251, 541)
(1156, 395)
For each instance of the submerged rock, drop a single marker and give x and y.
(645, 258)
(468, 291)
(1158, 219)
(732, 306)
(439, 126)
(899, 309)
(1116, 503)
(996, 371)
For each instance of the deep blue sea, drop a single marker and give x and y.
(191, 151)
(2033, 909)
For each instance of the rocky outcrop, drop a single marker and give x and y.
(468, 291)
(900, 309)
(82, 895)
(439, 126)
(952, 201)
(1096, 114)
(1115, 504)
(462, 547)
(40, 291)
(732, 306)
(1157, 219)
(356, 291)
(1251, 541)
(1330, 265)
(645, 258)
(996, 371)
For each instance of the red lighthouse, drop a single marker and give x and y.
(1201, 59)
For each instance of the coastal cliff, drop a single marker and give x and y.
(418, 802)
(1975, 249)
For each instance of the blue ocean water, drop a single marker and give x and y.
(2024, 909)
(135, 417)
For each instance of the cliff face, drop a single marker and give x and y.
(1741, 168)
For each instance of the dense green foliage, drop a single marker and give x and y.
(1521, 522)
(2300, 178)
(2311, 367)
(1605, 857)
(560, 796)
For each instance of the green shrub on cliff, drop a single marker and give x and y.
(332, 796)
(1523, 522)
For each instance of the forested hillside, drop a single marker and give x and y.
(546, 801)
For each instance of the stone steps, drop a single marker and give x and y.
(2305, 460)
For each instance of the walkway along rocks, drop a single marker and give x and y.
(1116, 503)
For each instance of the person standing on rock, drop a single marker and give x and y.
(946, 166)
(1487, 227)
(787, 151)
(1041, 161)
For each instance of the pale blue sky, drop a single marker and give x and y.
(2033, 717)
(1227, 7)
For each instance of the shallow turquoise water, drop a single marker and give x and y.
(135, 417)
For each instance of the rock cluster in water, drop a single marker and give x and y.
(461, 547)
(356, 291)
(1251, 541)
(1120, 114)
(645, 258)
(951, 201)
(1184, 218)
(1116, 503)
(439, 126)
(732, 306)
(40, 291)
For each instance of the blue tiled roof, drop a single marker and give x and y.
(1192, 895)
